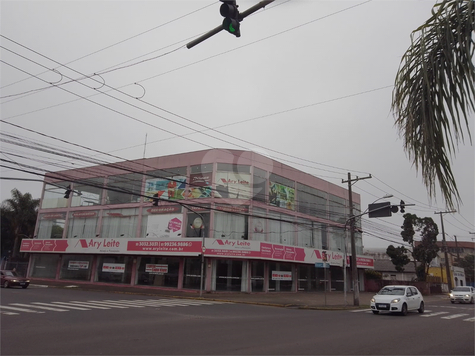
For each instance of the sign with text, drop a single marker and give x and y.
(281, 275)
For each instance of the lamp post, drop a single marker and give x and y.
(198, 223)
(354, 267)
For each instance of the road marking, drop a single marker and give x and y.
(64, 306)
(433, 314)
(39, 307)
(469, 319)
(80, 304)
(361, 310)
(124, 303)
(453, 316)
(8, 313)
(21, 309)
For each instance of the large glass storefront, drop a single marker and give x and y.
(192, 273)
(114, 269)
(280, 277)
(229, 276)
(158, 271)
(44, 266)
(76, 267)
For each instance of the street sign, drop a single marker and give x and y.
(322, 265)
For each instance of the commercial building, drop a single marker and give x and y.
(241, 220)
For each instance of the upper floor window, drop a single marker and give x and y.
(125, 188)
(53, 196)
(259, 184)
(87, 192)
(312, 201)
(337, 209)
(167, 184)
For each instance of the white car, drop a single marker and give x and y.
(398, 299)
(462, 295)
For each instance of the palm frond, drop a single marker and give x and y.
(434, 94)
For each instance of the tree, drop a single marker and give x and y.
(434, 93)
(425, 250)
(19, 213)
(398, 257)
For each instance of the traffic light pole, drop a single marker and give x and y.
(242, 15)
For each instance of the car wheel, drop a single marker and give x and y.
(375, 312)
(452, 302)
(421, 308)
(404, 309)
(6, 284)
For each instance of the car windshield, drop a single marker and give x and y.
(392, 291)
(10, 273)
(461, 289)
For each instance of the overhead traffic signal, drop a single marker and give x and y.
(67, 192)
(229, 10)
(401, 206)
(155, 199)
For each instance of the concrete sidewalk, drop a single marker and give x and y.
(303, 300)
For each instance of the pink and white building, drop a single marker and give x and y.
(220, 220)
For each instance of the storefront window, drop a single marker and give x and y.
(51, 226)
(158, 271)
(54, 196)
(82, 224)
(76, 267)
(44, 266)
(192, 273)
(87, 192)
(123, 189)
(307, 278)
(257, 276)
(280, 277)
(119, 223)
(228, 275)
(114, 269)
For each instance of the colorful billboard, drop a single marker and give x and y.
(166, 188)
(281, 196)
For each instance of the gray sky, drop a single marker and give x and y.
(309, 83)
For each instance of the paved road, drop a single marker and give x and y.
(70, 322)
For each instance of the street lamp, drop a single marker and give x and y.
(198, 223)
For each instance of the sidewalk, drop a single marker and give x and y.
(302, 300)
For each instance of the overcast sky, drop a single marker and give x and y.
(309, 83)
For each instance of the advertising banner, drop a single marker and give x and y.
(156, 268)
(75, 265)
(200, 186)
(193, 247)
(281, 196)
(166, 188)
(164, 226)
(233, 185)
(113, 267)
(281, 275)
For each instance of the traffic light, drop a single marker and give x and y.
(229, 10)
(68, 192)
(401, 205)
(155, 199)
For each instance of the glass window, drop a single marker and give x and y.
(336, 240)
(237, 168)
(123, 189)
(228, 275)
(257, 276)
(53, 196)
(233, 185)
(82, 224)
(90, 192)
(196, 226)
(119, 223)
(281, 228)
(230, 226)
(280, 277)
(337, 209)
(307, 278)
(258, 225)
(312, 201)
(76, 267)
(44, 265)
(200, 185)
(114, 269)
(51, 226)
(208, 167)
(170, 188)
(158, 271)
(305, 233)
(192, 273)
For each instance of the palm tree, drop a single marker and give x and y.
(20, 212)
(434, 94)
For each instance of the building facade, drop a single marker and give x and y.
(214, 220)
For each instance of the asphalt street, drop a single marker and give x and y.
(58, 321)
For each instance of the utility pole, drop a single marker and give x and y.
(354, 267)
(444, 244)
(457, 249)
